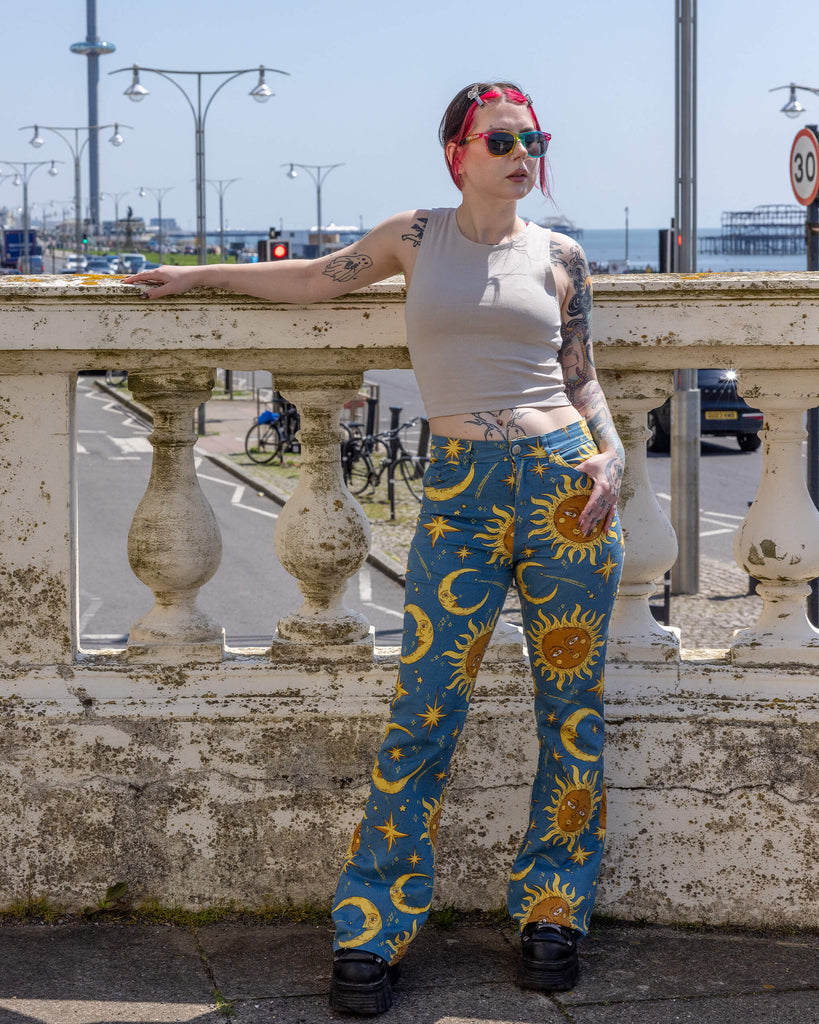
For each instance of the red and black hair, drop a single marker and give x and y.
(456, 123)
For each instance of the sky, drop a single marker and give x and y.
(367, 84)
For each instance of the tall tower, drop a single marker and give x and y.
(91, 48)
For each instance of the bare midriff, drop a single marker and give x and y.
(499, 424)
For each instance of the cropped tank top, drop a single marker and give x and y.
(483, 321)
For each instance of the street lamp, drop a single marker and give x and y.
(158, 194)
(261, 93)
(76, 152)
(321, 172)
(221, 185)
(22, 177)
(116, 196)
(793, 108)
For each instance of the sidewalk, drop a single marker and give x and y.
(248, 974)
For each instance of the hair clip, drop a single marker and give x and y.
(474, 94)
(528, 99)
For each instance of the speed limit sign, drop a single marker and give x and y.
(805, 167)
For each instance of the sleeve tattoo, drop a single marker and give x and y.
(576, 359)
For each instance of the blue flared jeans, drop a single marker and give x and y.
(494, 513)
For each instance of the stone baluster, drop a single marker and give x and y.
(778, 541)
(174, 544)
(322, 535)
(650, 542)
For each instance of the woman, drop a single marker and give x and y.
(524, 474)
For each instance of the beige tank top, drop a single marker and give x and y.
(483, 321)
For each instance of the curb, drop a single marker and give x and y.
(380, 560)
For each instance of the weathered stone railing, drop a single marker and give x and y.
(182, 753)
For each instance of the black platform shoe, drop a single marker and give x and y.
(362, 983)
(549, 957)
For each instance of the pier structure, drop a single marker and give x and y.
(776, 229)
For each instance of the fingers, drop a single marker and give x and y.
(599, 509)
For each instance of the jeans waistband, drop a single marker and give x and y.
(451, 449)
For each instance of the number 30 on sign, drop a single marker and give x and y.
(805, 166)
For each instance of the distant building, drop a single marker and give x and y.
(167, 224)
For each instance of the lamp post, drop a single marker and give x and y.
(222, 185)
(793, 108)
(261, 93)
(92, 47)
(321, 172)
(22, 177)
(158, 194)
(116, 196)
(77, 149)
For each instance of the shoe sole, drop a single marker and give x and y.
(557, 977)
(362, 1000)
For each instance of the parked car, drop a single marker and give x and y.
(722, 411)
(98, 265)
(74, 264)
(131, 262)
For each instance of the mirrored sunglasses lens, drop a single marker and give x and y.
(500, 143)
(535, 143)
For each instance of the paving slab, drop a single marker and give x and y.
(480, 1004)
(628, 963)
(775, 1008)
(95, 974)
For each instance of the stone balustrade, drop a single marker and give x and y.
(200, 774)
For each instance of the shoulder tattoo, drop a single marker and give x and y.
(347, 268)
(416, 232)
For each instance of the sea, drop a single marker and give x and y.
(607, 246)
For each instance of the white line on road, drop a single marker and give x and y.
(365, 584)
(238, 494)
(132, 445)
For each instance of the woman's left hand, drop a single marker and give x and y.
(605, 470)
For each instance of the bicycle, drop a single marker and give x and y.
(116, 378)
(273, 433)
(366, 457)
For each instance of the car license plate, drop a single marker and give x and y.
(718, 414)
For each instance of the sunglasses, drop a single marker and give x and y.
(501, 143)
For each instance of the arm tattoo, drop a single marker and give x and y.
(582, 387)
(347, 268)
(416, 232)
(494, 427)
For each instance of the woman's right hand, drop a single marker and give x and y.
(166, 280)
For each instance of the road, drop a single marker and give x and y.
(249, 592)
(728, 477)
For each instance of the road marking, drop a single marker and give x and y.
(93, 606)
(365, 584)
(133, 445)
(238, 494)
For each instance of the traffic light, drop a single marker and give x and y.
(279, 251)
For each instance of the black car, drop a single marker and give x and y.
(722, 411)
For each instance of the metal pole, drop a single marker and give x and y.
(812, 229)
(685, 401)
(626, 234)
(77, 202)
(200, 175)
(93, 115)
(222, 229)
(159, 211)
(26, 256)
(318, 204)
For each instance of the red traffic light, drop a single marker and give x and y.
(280, 251)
